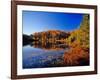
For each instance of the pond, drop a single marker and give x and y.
(42, 55)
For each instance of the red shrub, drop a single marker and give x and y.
(76, 56)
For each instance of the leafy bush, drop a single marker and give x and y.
(76, 56)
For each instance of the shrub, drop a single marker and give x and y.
(76, 56)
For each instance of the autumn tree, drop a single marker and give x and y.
(80, 36)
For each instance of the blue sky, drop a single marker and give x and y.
(37, 21)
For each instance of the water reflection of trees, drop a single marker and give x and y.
(49, 45)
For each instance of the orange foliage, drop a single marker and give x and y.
(76, 56)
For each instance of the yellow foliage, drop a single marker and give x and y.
(81, 36)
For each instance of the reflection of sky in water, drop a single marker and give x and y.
(37, 58)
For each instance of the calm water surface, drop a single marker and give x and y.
(40, 56)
